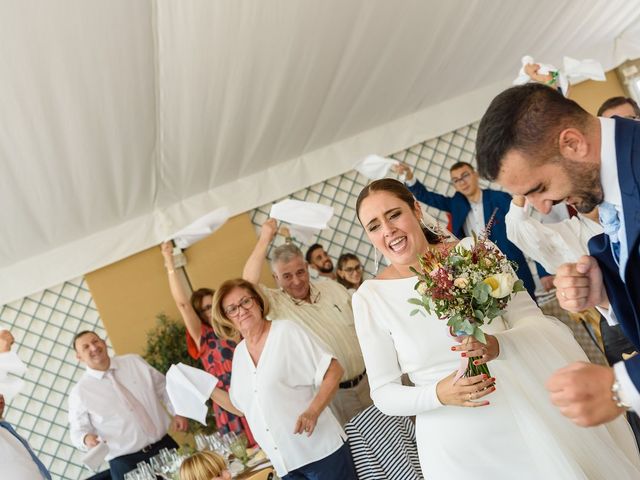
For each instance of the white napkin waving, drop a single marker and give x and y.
(306, 218)
(574, 70)
(188, 388)
(201, 228)
(94, 457)
(11, 386)
(375, 167)
(304, 235)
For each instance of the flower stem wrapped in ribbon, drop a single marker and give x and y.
(468, 287)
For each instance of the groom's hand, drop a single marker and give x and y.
(582, 392)
(579, 285)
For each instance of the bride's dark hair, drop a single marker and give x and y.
(400, 191)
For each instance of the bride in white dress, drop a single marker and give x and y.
(477, 428)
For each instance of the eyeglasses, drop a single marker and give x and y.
(462, 178)
(233, 310)
(357, 268)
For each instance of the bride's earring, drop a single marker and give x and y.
(376, 262)
(434, 228)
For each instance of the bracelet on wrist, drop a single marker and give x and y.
(615, 396)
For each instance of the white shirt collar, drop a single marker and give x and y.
(609, 163)
(99, 374)
(479, 202)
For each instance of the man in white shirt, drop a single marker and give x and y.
(324, 308)
(17, 460)
(120, 401)
(537, 143)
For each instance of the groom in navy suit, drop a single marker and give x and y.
(539, 144)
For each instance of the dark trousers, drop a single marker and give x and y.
(337, 466)
(615, 344)
(125, 463)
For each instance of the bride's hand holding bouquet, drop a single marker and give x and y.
(468, 287)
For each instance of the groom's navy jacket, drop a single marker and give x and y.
(459, 207)
(625, 296)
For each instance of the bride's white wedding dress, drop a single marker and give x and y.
(521, 434)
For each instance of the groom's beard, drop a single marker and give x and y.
(585, 185)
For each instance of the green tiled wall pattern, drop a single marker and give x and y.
(430, 161)
(43, 326)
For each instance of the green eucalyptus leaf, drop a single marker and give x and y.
(479, 335)
(481, 292)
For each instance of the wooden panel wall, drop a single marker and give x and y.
(591, 94)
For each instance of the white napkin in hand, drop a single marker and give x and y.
(94, 457)
(188, 388)
(303, 234)
(375, 167)
(574, 70)
(303, 214)
(201, 228)
(577, 69)
(10, 386)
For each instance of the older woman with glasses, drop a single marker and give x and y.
(349, 271)
(283, 380)
(214, 353)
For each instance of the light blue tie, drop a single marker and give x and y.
(611, 225)
(43, 470)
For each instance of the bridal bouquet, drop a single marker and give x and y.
(466, 287)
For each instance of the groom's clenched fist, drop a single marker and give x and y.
(579, 285)
(582, 392)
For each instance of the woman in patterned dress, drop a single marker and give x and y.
(214, 353)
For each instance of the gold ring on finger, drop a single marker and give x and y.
(564, 294)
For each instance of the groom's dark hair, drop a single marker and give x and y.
(527, 118)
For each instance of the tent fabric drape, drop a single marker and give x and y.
(125, 121)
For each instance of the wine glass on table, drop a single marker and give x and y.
(239, 450)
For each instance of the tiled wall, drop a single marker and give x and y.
(430, 161)
(43, 326)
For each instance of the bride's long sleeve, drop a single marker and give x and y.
(383, 370)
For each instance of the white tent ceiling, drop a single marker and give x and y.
(123, 121)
